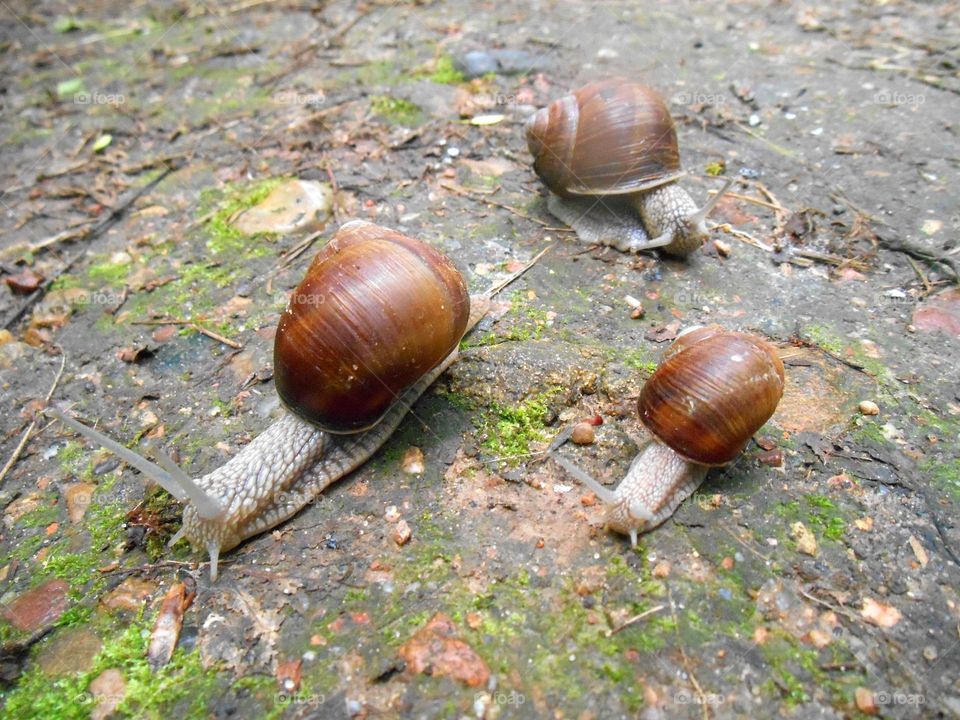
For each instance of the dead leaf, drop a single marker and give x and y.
(24, 282)
(166, 629)
(135, 354)
(57, 306)
(885, 616)
(806, 540)
(919, 551)
(663, 333)
(435, 650)
(288, 675)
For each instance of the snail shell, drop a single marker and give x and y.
(712, 392)
(376, 311)
(612, 137)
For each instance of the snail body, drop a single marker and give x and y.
(369, 285)
(609, 154)
(712, 391)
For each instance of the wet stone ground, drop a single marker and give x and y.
(815, 577)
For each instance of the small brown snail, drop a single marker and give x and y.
(376, 320)
(713, 390)
(609, 145)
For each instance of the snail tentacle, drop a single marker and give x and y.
(177, 483)
(605, 494)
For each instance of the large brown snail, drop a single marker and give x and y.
(376, 320)
(713, 390)
(608, 152)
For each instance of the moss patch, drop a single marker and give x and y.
(817, 511)
(182, 688)
(396, 110)
(445, 73)
(225, 203)
(508, 432)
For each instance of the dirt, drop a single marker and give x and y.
(823, 585)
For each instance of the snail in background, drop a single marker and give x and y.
(610, 143)
(713, 390)
(376, 320)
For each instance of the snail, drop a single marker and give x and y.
(377, 318)
(711, 392)
(609, 145)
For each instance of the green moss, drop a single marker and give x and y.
(104, 523)
(182, 688)
(381, 72)
(70, 455)
(818, 512)
(110, 273)
(445, 73)
(523, 323)
(508, 432)
(796, 668)
(66, 282)
(40, 516)
(225, 203)
(639, 360)
(396, 110)
(822, 337)
(944, 474)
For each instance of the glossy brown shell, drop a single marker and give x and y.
(612, 137)
(375, 312)
(711, 393)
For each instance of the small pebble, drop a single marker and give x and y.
(868, 407)
(392, 514)
(727, 563)
(412, 462)
(583, 434)
(930, 653)
(865, 701)
(722, 248)
(402, 533)
(754, 120)
(637, 313)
